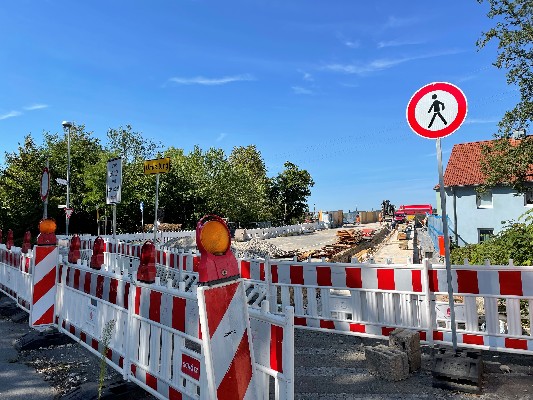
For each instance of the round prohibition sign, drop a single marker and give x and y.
(436, 110)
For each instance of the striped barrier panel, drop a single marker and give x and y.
(154, 326)
(372, 300)
(231, 374)
(45, 264)
(16, 275)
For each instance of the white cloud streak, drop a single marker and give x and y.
(381, 64)
(200, 80)
(394, 22)
(397, 43)
(301, 90)
(10, 114)
(221, 136)
(36, 107)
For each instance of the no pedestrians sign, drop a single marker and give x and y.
(436, 110)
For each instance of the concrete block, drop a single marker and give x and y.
(460, 370)
(407, 341)
(387, 363)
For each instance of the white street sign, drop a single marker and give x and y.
(61, 181)
(114, 181)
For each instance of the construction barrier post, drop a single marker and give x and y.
(224, 320)
(44, 266)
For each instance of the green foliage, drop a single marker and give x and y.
(513, 33)
(289, 191)
(515, 242)
(199, 183)
(505, 161)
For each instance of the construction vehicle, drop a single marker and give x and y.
(387, 210)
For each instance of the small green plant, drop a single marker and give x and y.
(106, 338)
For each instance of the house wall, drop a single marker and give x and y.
(505, 206)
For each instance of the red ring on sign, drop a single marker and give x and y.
(453, 126)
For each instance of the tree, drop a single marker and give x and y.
(19, 189)
(514, 34)
(289, 191)
(508, 161)
(133, 149)
(20, 181)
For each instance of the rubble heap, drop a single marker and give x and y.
(259, 248)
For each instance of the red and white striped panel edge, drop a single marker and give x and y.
(349, 276)
(227, 341)
(44, 286)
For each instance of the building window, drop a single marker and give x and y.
(484, 200)
(528, 198)
(484, 234)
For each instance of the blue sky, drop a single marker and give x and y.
(324, 84)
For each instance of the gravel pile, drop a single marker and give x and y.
(259, 248)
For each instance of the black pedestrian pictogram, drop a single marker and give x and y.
(435, 106)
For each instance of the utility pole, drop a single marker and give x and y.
(66, 126)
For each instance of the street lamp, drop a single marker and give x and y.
(66, 126)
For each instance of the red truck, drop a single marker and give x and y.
(414, 209)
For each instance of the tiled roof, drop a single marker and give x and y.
(464, 165)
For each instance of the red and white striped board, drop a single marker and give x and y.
(227, 341)
(366, 276)
(499, 282)
(486, 341)
(44, 286)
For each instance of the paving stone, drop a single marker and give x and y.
(387, 363)
(407, 341)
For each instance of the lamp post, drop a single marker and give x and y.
(66, 126)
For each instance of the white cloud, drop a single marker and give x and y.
(381, 64)
(221, 136)
(352, 44)
(306, 76)
(394, 22)
(36, 107)
(301, 90)
(10, 114)
(200, 80)
(397, 43)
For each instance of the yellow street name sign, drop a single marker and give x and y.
(159, 166)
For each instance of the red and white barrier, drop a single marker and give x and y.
(43, 299)
(225, 325)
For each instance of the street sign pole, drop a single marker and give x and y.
(114, 220)
(433, 112)
(156, 204)
(446, 246)
(157, 167)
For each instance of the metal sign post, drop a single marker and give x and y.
(142, 217)
(157, 166)
(114, 187)
(446, 246)
(156, 205)
(436, 111)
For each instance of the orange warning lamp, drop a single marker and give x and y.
(47, 232)
(217, 263)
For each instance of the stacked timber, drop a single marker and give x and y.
(346, 239)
